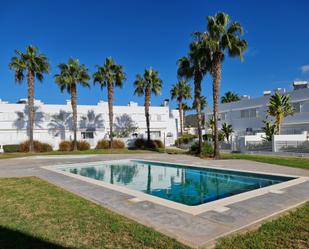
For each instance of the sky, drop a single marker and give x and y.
(139, 34)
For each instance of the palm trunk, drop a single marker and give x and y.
(74, 109)
(216, 74)
(110, 92)
(147, 104)
(197, 99)
(180, 116)
(30, 109)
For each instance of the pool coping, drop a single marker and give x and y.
(216, 205)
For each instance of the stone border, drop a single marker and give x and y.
(193, 210)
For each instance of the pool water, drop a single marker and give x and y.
(187, 185)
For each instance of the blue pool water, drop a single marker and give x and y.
(187, 185)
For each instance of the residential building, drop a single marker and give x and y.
(53, 122)
(247, 115)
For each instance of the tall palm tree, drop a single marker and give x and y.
(34, 65)
(195, 66)
(70, 75)
(110, 75)
(229, 97)
(222, 37)
(149, 83)
(180, 91)
(227, 130)
(280, 107)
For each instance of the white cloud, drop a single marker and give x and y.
(304, 68)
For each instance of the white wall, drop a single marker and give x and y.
(13, 121)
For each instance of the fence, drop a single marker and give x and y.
(258, 146)
(292, 146)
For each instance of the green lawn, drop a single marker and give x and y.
(287, 232)
(35, 214)
(85, 152)
(296, 162)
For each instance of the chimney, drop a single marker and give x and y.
(267, 93)
(300, 85)
(245, 97)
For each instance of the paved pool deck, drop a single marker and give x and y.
(197, 231)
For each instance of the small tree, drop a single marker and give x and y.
(227, 130)
(270, 130)
(280, 107)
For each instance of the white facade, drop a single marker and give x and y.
(53, 122)
(247, 115)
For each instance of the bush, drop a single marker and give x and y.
(68, 145)
(142, 144)
(9, 148)
(207, 149)
(102, 144)
(82, 145)
(118, 144)
(38, 146)
(65, 146)
(159, 143)
(185, 139)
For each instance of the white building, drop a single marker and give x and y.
(53, 122)
(247, 115)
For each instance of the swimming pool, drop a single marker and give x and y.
(183, 184)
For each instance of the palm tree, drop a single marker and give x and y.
(185, 108)
(34, 65)
(227, 130)
(110, 75)
(229, 97)
(280, 107)
(145, 85)
(71, 74)
(222, 37)
(180, 91)
(203, 103)
(195, 66)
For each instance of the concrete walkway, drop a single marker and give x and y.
(194, 230)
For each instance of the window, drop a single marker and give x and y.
(169, 134)
(87, 134)
(223, 116)
(155, 134)
(296, 107)
(249, 113)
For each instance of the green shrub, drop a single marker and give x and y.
(10, 148)
(141, 143)
(38, 146)
(82, 145)
(185, 139)
(65, 146)
(102, 144)
(207, 149)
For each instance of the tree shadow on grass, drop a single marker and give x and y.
(12, 239)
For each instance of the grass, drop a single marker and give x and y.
(296, 162)
(85, 152)
(36, 214)
(290, 231)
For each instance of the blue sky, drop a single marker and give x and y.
(140, 34)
